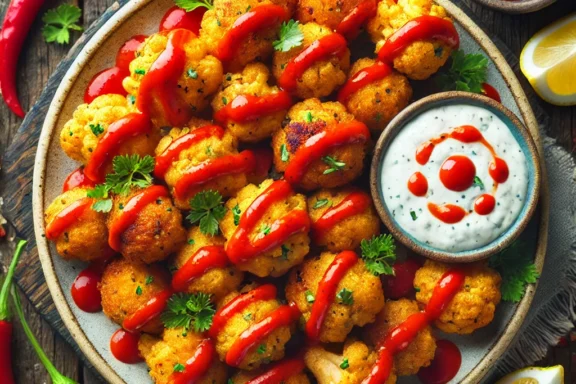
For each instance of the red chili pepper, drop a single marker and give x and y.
(17, 22)
(5, 322)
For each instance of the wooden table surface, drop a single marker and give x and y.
(39, 60)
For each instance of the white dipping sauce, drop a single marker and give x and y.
(474, 231)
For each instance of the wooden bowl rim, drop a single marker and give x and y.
(515, 7)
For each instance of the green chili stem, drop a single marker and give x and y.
(6, 287)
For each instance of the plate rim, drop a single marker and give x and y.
(108, 28)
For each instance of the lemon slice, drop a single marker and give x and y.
(548, 61)
(535, 375)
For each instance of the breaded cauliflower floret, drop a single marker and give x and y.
(243, 377)
(420, 59)
(367, 296)
(307, 119)
(200, 152)
(345, 234)
(279, 260)
(127, 287)
(420, 351)
(197, 83)
(156, 233)
(473, 306)
(328, 13)
(257, 46)
(324, 76)
(270, 349)
(252, 81)
(216, 281)
(377, 103)
(86, 238)
(326, 366)
(176, 347)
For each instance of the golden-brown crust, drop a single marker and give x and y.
(328, 13)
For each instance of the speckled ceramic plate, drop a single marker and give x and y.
(516, 6)
(92, 331)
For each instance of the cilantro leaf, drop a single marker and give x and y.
(190, 5)
(379, 254)
(345, 297)
(467, 73)
(237, 214)
(345, 364)
(261, 349)
(100, 192)
(290, 36)
(478, 183)
(322, 203)
(96, 129)
(178, 367)
(265, 229)
(189, 310)
(207, 210)
(102, 205)
(309, 297)
(59, 21)
(284, 154)
(285, 251)
(516, 267)
(130, 171)
(334, 164)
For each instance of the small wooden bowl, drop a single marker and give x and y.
(516, 6)
(521, 135)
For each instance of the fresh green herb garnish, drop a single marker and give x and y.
(290, 36)
(334, 164)
(224, 101)
(261, 349)
(190, 5)
(191, 241)
(285, 251)
(237, 214)
(345, 364)
(478, 183)
(149, 279)
(247, 316)
(309, 297)
(309, 117)
(132, 99)
(265, 229)
(140, 71)
(516, 266)
(192, 74)
(178, 368)
(207, 209)
(104, 203)
(322, 203)
(345, 297)
(96, 129)
(467, 73)
(58, 23)
(189, 310)
(413, 215)
(284, 154)
(379, 254)
(139, 290)
(130, 171)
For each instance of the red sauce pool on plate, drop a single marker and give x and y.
(124, 347)
(85, 292)
(178, 18)
(76, 179)
(127, 51)
(444, 367)
(107, 81)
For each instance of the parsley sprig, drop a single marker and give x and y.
(334, 164)
(58, 23)
(467, 73)
(189, 311)
(290, 36)
(379, 254)
(517, 270)
(207, 209)
(190, 5)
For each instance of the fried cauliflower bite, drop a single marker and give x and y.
(87, 238)
(326, 366)
(156, 233)
(420, 59)
(348, 233)
(216, 281)
(127, 287)
(473, 306)
(197, 84)
(328, 13)
(198, 153)
(306, 119)
(270, 349)
(367, 295)
(419, 353)
(252, 81)
(279, 260)
(176, 347)
(244, 377)
(377, 103)
(89, 123)
(324, 76)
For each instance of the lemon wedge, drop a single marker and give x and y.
(548, 61)
(535, 375)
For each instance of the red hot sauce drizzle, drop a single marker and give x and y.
(197, 365)
(362, 78)
(246, 108)
(280, 372)
(424, 27)
(149, 311)
(205, 258)
(400, 337)
(321, 144)
(351, 24)
(130, 213)
(259, 18)
(327, 291)
(160, 83)
(170, 154)
(77, 179)
(127, 51)
(321, 49)
(491, 92)
(177, 18)
(203, 173)
(458, 172)
(241, 248)
(353, 204)
(67, 217)
(131, 125)
(107, 81)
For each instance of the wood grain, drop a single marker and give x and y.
(39, 60)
